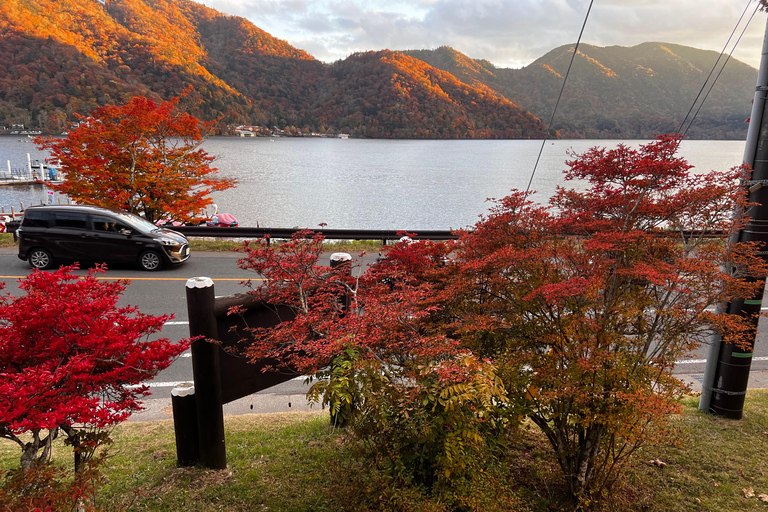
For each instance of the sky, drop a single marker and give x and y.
(508, 33)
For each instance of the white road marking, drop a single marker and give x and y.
(702, 361)
(172, 384)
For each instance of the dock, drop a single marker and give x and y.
(33, 173)
(14, 181)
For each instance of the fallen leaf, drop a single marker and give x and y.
(657, 462)
(715, 484)
(763, 497)
(748, 492)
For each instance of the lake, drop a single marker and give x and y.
(376, 184)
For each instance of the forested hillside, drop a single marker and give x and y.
(386, 93)
(59, 58)
(618, 92)
(65, 57)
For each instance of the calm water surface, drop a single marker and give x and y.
(377, 184)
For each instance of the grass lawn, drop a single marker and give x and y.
(6, 240)
(225, 244)
(297, 462)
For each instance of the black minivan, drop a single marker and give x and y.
(94, 234)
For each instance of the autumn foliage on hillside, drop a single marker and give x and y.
(573, 316)
(96, 55)
(628, 92)
(389, 94)
(68, 57)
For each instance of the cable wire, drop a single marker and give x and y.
(746, 7)
(562, 88)
(682, 136)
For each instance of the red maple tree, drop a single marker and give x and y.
(140, 157)
(334, 308)
(371, 339)
(588, 306)
(581, 309)
(72, 359)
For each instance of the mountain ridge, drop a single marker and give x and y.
(621, 92)
(63, 58)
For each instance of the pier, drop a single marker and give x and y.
(34, 172)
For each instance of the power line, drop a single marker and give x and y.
(693, 118)
(562, 88)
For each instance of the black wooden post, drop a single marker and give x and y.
(339, 258)
(341, 263)
(206, 371)
(185, 424)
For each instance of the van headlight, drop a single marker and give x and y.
(169, 241)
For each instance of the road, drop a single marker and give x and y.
(163, 293)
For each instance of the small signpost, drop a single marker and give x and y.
(219, 376)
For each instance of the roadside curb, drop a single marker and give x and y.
(156, 409)
(758, 379)
(265, 402)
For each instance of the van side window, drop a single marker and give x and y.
(36, 219)
(71, 220)
(101, 223)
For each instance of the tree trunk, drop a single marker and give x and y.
(29, 451)
(581, 478)
(73, 437)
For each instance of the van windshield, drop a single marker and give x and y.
(137, 223)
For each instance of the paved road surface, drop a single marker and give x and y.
(163, 292)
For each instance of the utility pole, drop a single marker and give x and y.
(727, 371)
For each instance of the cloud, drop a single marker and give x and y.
(509, 33)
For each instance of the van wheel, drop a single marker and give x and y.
(150, 260)
(40, 259)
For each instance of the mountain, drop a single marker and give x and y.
(387, 93)
(618, 92)
(60, 58)
(65, 57)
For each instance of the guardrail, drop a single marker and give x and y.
(339, 234)
(330, 234)
(359, 234)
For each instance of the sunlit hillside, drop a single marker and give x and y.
(61, 58)
(619, 92)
